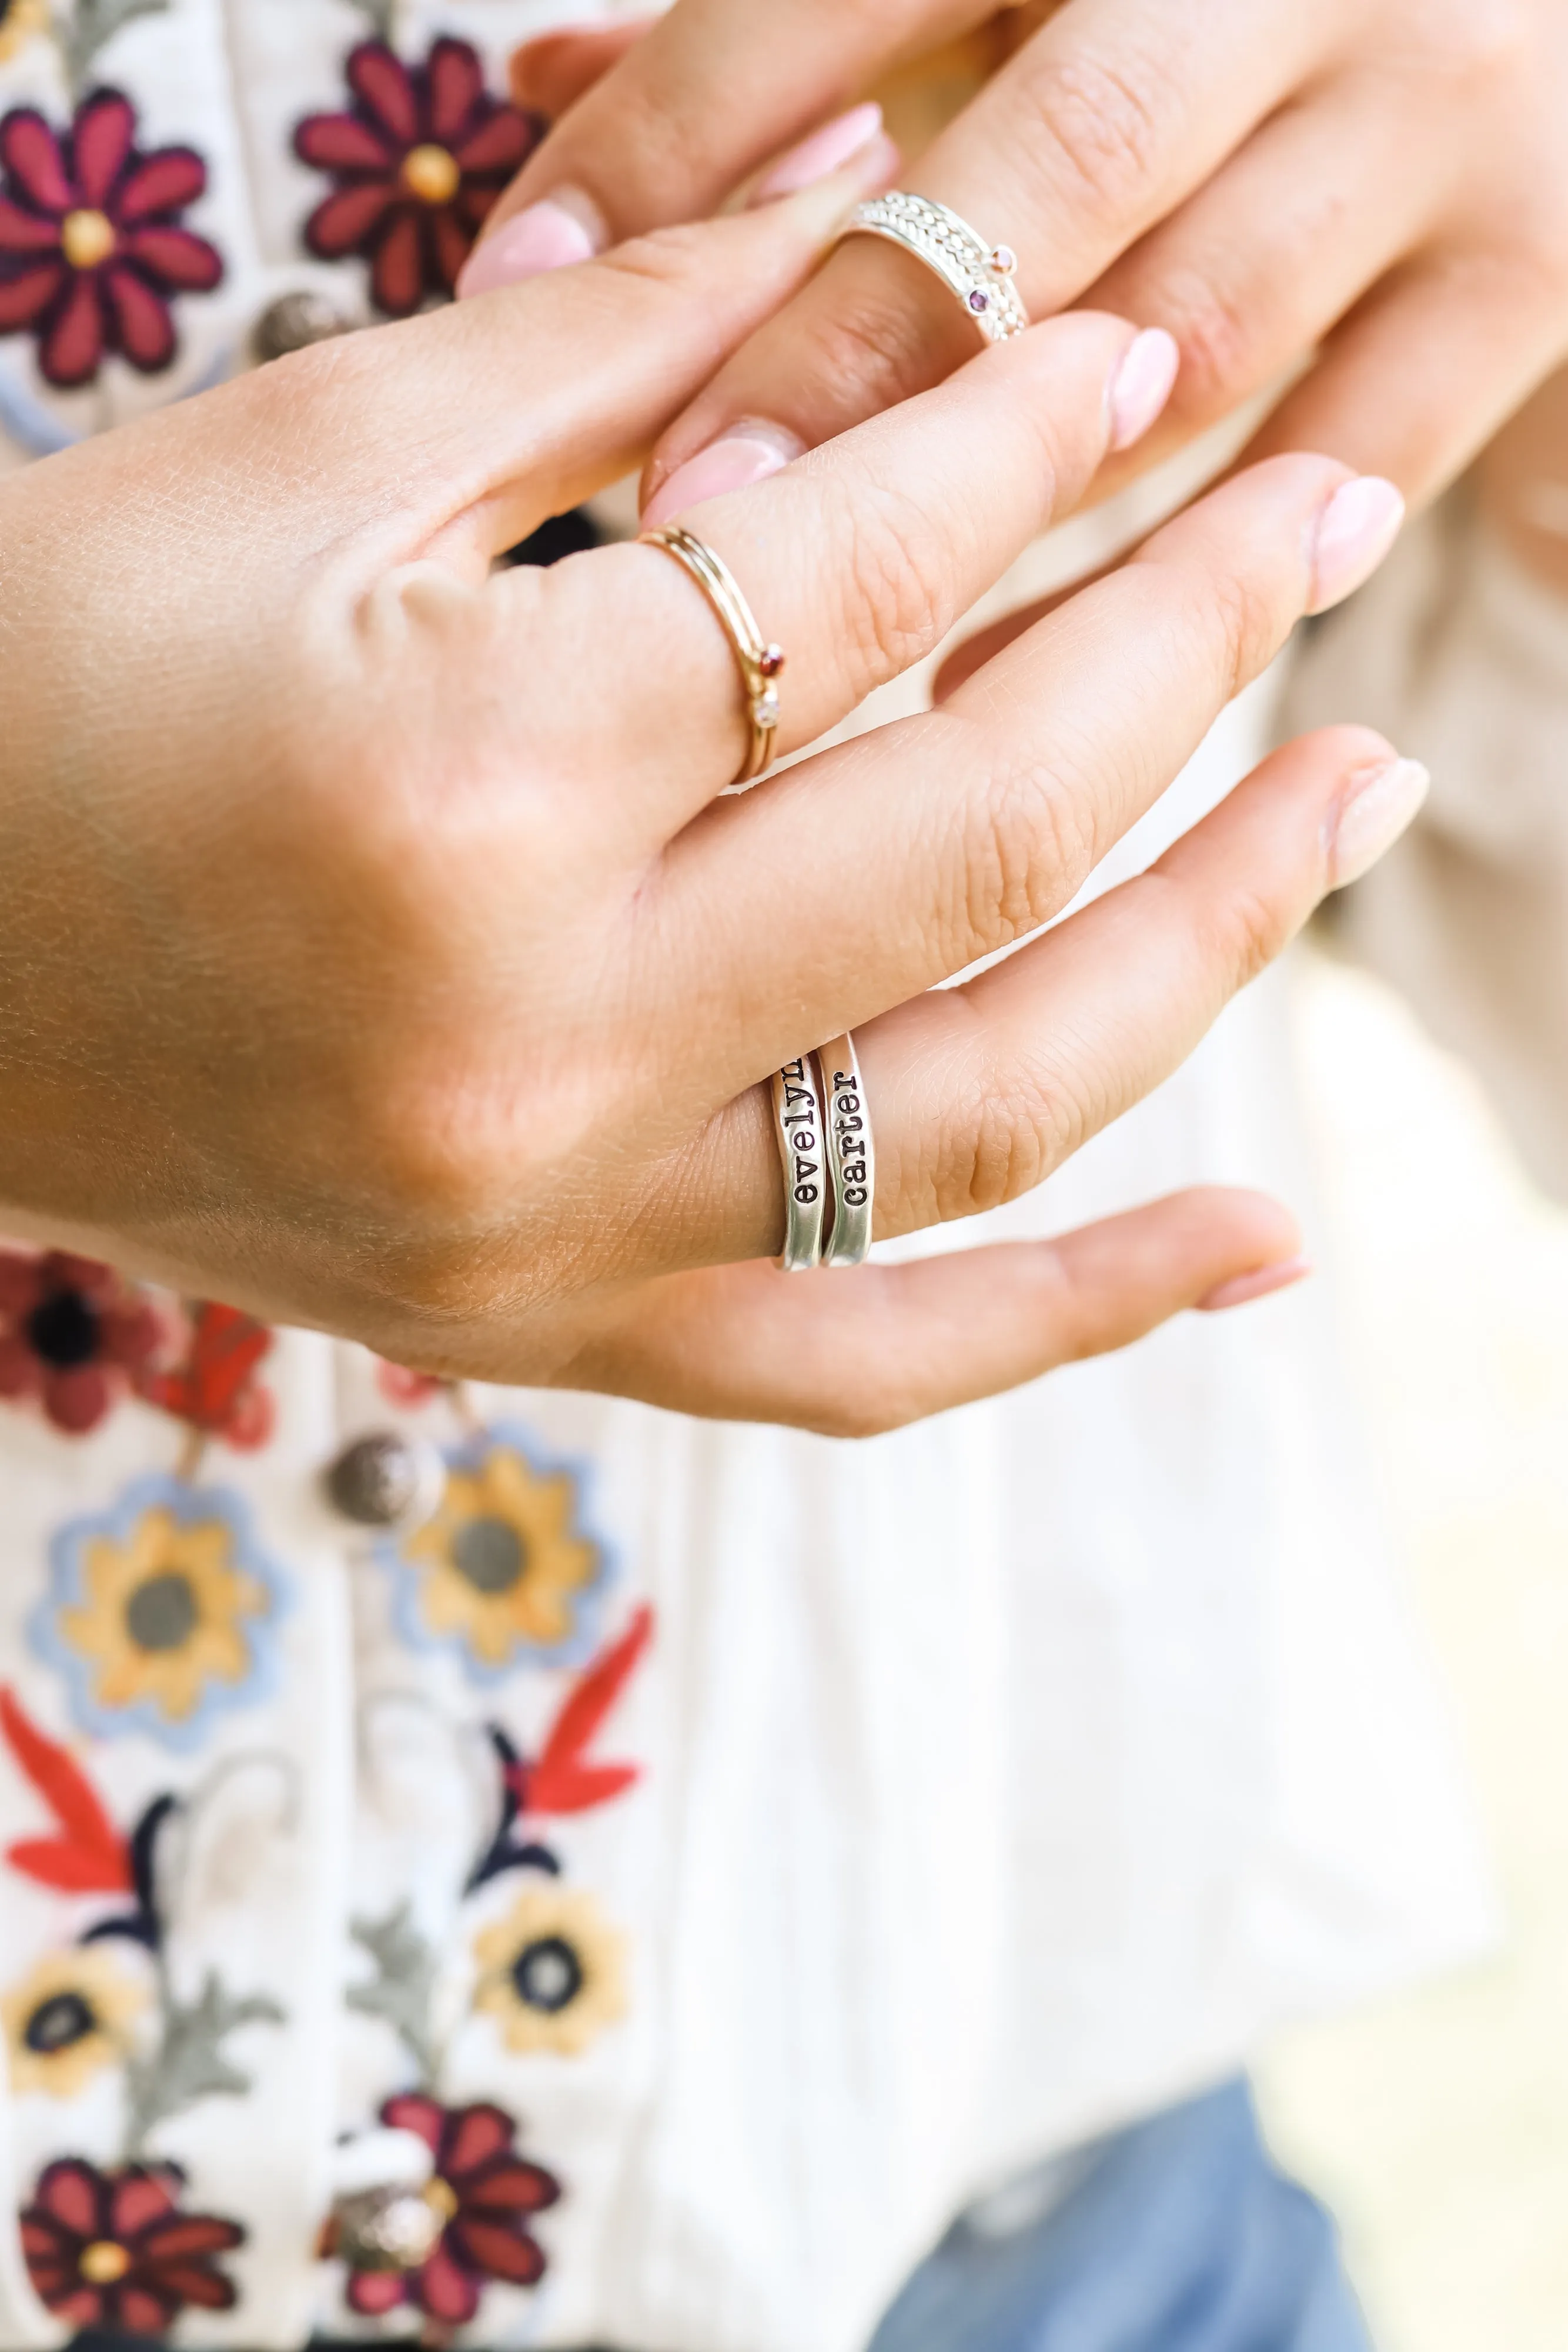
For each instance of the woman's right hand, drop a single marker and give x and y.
(379, 954)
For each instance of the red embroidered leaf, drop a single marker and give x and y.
(569, 1788)
(91, 1858)
(212, 1389)
(559, 1781)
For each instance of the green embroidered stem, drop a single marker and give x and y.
(86, 30)
(189, 2063)
(403, 1988)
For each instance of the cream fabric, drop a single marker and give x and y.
(1463, 659)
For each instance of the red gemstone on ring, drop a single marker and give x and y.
(772, 661)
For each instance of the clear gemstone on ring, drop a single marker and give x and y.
(1004, 261)
(765, 710)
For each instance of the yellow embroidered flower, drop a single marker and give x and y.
(502, 1565)
(21, 21)
(165, 1610)
(70, 2016)
(552, 1972)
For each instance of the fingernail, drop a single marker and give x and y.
(1373, 811)
(565, 228)
(747, 454)
(1257, 1285)
(1354, 533)
(822, 152)
(1141, 385)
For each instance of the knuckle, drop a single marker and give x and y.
(1002, 1143)
(1102, 120)
(661, 257)
(1029, 847)
(897, 597)
(1247, 622)
(868, 343)
(1243, 933)
(1219, 359)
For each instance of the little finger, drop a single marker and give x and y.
(850, 1355)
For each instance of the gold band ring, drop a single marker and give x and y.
(759, 662)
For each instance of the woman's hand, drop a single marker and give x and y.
(377, 953)
(1379, 184)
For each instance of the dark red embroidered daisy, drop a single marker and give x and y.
(485, 2194)
(114, 2250)
(91, 246)
(418, 161)
(73, 1335)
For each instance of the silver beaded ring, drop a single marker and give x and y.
(979, 274)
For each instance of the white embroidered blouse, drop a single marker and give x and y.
(573, 1875)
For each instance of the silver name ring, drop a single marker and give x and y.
(797, 1123)
(759, 661)
(979, 274)
(852, 1156)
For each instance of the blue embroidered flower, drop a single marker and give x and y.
(162, 1613)
(504, 1572)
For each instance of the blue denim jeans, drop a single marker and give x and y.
(1179, 2235)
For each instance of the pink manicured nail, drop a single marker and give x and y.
(1141, 385)
(564, 229)
(747, 454)
(1257, 1285)
(1373, 811)
(1354, 533)
(822, 152)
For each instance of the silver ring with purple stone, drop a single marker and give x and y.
(979, 274)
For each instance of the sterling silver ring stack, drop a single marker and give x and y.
(825, 1145)
(981, 275)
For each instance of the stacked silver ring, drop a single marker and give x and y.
(829, 1161)
(981, 275)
